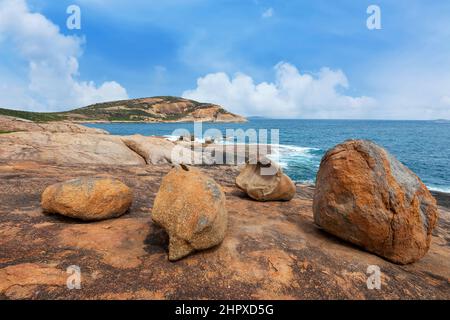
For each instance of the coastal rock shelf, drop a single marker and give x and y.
(271, 250)
(13, 124)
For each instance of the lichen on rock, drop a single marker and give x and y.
(191, 208)
(366, 196)
(88, 198)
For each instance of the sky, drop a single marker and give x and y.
(273, 58)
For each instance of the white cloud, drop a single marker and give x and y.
(51, 62)
(414, 87)
(268, 13)
(445, 100)
(293, 94)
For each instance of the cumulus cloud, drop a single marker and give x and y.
(292, 94)
(51, 61)
(268, 13)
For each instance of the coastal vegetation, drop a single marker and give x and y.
(32, 116)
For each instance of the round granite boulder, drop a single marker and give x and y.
(190, 206)
(88, 198)
(366, 196)
(265, 182)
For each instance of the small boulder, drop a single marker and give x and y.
(191, 208)
(88, 199)
(366, 196)
(271, 186)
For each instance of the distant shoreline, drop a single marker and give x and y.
(248, 119)
(151, 122)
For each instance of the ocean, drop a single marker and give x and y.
(423, 146)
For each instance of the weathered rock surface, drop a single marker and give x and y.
(273, 185)
(153, 150)
(235, 154)
(13, 124)
(88, 198)
(366, 196)
(158, 150)
(67, 148)
(272, 250)
(191, 207)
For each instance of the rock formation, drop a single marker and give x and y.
(272, 250)
(88, 199)
(12, 124)
(153, 150)
(67, 148)
(265, 187)
(366, 196)
(154, 109)
(191, 208)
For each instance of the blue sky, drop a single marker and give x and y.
(303, 59)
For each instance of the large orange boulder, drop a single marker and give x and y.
(191, 208)
(272, 185)
(88, 198)
(366, 196)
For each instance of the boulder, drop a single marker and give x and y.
(261, 186)
(191, 208)
(156, 150)
(187, 138)
(153, 150)
(236, 154)
(88, 199)
(366, 196)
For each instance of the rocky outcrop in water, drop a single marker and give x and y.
(366, 196)
(88, 198)
(191, 207)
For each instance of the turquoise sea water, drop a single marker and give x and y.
(424, 146)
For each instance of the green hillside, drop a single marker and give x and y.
(154, 109)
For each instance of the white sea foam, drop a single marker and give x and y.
(171, 138)
(285, 154)
(176, 138)
(288, 155)
(439, 189)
